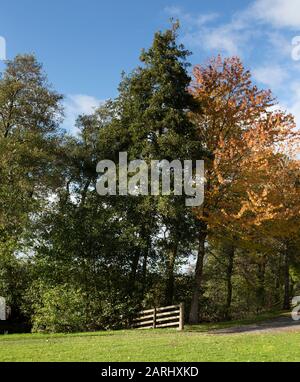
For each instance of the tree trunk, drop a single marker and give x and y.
(132, 277)
(147, 255)
(261, 292)
(169, 293)
(229, 271)
(194, 311)
(277, 287)
(286, 300)
(84, 192)
(292, 287)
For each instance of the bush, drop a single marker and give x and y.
(65, 309)
(104, 314)
(61, 309)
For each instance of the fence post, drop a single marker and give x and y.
(181, 316)
(154, 318)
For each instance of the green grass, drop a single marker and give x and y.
(194, 344)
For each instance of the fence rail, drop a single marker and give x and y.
(167, 316)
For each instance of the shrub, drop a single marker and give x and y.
(61, 309)
(64, 308)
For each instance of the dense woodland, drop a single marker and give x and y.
(71, 260)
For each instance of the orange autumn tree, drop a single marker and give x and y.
(274, 211)
(237, 126)
(265, 192)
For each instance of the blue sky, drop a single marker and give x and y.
(85, 45)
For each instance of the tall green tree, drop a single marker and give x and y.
(153, 123)
(30, 113)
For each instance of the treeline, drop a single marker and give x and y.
(71, 260)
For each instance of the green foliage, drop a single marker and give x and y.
(30, 113)
(60, 309)
(65, 309)
(71, 260)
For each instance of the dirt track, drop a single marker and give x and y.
(279, 324)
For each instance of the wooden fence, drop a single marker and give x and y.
(168, 316)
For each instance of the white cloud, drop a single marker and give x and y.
(294, 102)
(291, 104)
(273, 76)
(280, 44)
(279, 13)
(234, 37)
(228, 38)
(225, 39)
(231, 39)
(174, 10)
(264, 24)
(191, 20)
(75, 105)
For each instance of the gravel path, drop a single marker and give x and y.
(279, 324)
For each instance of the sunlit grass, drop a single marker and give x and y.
(193, 344)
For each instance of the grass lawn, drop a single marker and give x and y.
(194, 344)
